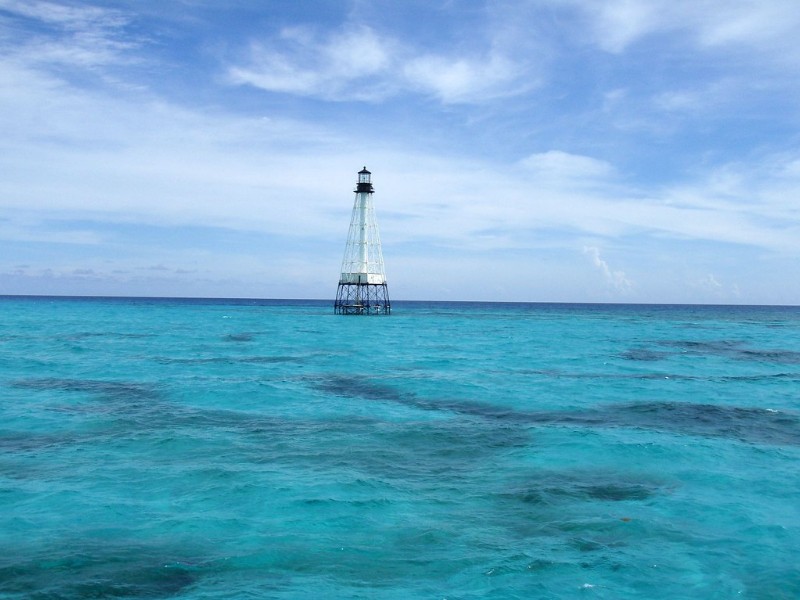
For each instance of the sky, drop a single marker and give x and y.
(530, 150)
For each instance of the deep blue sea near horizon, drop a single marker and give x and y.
(209, 449)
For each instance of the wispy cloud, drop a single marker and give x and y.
(616, 281)
(356, 63)
(78, 35)
(76, 17)
(709, 286)
(344, 65)
(555, 163)
(459, 79)
(768, 27)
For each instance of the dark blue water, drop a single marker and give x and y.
(154, 448)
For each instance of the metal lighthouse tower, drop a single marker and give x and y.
(362, 283)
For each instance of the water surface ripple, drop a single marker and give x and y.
(270, 449)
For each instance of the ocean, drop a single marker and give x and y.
(209, 449)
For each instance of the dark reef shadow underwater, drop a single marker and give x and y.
(752, 425)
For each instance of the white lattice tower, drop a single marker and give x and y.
(362, 282)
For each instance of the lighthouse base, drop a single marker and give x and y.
(362, 299)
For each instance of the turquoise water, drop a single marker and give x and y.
(242, 449)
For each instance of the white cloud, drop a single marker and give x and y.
(768, 28)
(73, 17)
(619, 23)
(32, 230)
(616, 281)
(457, 79)
(711, 282)
(710, 287)
(72, 154)
(82, 36)
(761, 192)
(770, 25)
(355, 63)
(705, 98)
(555, 163)
(341, 66)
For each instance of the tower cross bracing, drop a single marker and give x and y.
(362, 283)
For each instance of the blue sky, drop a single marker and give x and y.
(543, 150)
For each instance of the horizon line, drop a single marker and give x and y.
(320, 300)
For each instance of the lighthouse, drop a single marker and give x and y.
(362, 283)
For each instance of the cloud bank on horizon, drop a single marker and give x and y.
(542, 150)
